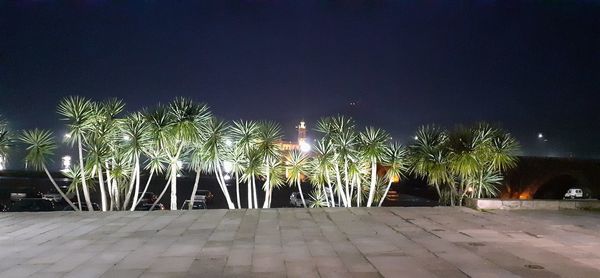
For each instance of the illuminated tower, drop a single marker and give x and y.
(301, 133)
(302, 141)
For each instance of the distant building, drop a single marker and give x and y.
(300, 144)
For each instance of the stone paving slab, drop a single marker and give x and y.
(330, 242)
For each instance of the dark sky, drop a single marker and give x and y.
(529, 67)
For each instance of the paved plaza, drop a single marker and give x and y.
(358, 242)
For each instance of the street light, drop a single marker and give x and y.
(540, 135)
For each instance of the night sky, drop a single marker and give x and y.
(529, 68)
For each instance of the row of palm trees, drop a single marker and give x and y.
(346, 167)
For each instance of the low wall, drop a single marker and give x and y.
(514, 204)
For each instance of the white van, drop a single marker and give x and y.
(574, 193)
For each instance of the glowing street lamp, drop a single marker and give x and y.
(540, 136)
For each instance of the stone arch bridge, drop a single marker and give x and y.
(550, 178)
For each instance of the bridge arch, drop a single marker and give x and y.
(555, 186)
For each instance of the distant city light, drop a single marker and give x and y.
(305, 147)
(416, 138)
(67, 135)
(227, 177)
(2, 162)
(540, 135)
(66, 163)
(227, 166)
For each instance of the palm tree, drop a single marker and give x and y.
(136, 140)
(155, 165)
(40, 147)
(217, 136)
(78, 112)
(430, 157)
(373, 146)
(297, 167)
(268, 136)
(252, 170)
(396, 161)
(6, 140)
(322, 162)
(244, 136)
(238, 161)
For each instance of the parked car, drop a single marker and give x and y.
(83, 207)
(576, 193)
(146, 206)
(208, 196)
(31, 204)
(198, 204)
(54, 197)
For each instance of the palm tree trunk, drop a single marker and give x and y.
(109, 187)
(86, 192)
(300, 190)
(330, 187)
(254, 192)
(221, 180)
(78, 197)
(249, 193)
(161, 194)
(352, 188)
(358, 192)
(174, 186)
(385, 194)
(267, 186)
(237, 190)
(326, 197)
(62, 194)
(373, 182)
(102, 190)
(194, 189)
(341, 192)
(136, 194)
(117, 195)
(145, 188)
(346, 180)
(130, 190)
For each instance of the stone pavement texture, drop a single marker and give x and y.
(338, 242)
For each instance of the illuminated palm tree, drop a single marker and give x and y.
(215, 152)
(40, 146)
(297, 168)
(268, 136)
(252, 170)
(78, 112)
(136, 140)
(244, 136)
(6, 140)
(322, 163)
(238, 161)
(155, 164)
(396, 160)
(373, 143)
(430, 157)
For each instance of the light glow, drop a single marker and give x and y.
(227, 166)
(305, 147)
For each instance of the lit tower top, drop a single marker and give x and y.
(301, 133)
